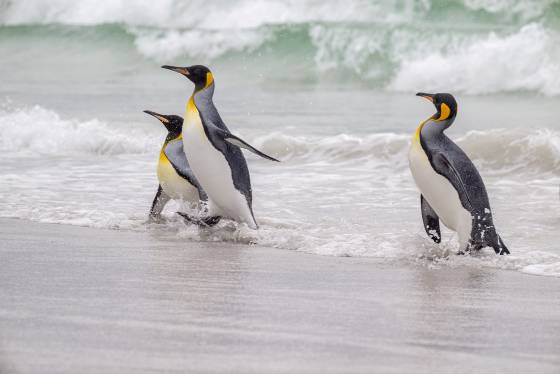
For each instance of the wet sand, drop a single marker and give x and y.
(82, 300)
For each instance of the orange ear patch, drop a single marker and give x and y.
(445, 112)
(209, 79)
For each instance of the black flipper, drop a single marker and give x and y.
(442, 166)
(431, 220)
(205, 222)
(176, 156)
(501, 247)
(238, 142)
(159, 202)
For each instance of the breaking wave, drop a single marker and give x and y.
(469, 46)
(40, 131)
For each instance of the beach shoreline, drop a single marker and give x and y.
(77, 299)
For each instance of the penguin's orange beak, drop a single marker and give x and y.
(426, 96)
(181, 70)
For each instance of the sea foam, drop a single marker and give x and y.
(36, 130)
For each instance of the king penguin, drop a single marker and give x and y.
(176, 179)
(450, 185)
(214, 153)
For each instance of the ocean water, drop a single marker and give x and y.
(328, 88)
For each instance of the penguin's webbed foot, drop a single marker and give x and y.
(211, 221)
(204, 222)
(468, 250)
(501, 250)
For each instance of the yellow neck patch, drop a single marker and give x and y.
(192, 117)
(419, 129)
(445, 112)
(191, 107)
(209, 79)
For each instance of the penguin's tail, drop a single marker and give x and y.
(499, 247)
(254, 225)
(253, 222)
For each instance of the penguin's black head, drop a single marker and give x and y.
(445, 104)
(200, 75)
(173, 124)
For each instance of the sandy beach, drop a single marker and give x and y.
(82, 300)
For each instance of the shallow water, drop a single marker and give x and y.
(77, 148)
(82, 300)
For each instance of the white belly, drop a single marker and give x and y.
(173, 184)
(213, 173)
(439, 193)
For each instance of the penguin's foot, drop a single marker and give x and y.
(468, 250)
(204, 222)
(501, 250)
(504, 251)
(471, 248)
(211, 221)
(501, 247)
